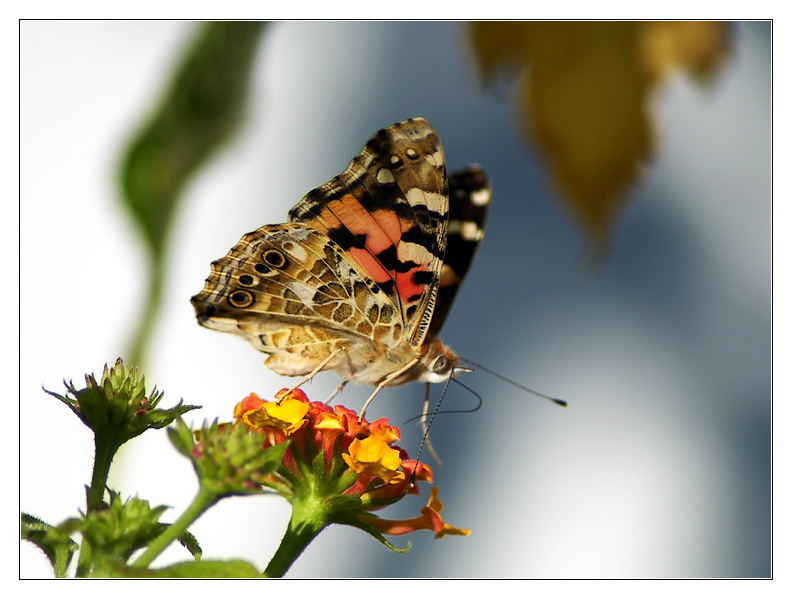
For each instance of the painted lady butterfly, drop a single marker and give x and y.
(362, 276)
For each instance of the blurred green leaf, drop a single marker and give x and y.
(199, 112)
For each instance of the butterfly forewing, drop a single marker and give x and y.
(389, 211)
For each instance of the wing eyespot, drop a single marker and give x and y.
(274, 258)
(241, 298)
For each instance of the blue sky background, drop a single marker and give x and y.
(660, 467)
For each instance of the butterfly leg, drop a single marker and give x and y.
(385, 383)
(317, 370)
(335, 392)
(425, 429)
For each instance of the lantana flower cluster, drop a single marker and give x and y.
(342, 465)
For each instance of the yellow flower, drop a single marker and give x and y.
(288, 415)
(373, 456)
(328, 421)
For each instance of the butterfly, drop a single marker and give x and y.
(362, 276)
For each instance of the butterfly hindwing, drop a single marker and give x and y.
(469, 194)
(291, 292)
(389, 211)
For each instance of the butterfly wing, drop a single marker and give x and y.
(389, 212)
(469, 195)
(359, 268)
(292, 293)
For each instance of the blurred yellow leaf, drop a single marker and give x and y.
(584, 90)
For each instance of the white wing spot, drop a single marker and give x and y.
(433, 201)
(471, 231)
(299, 232)
(411, 153)
(384, 176)
(468, 230)
(303, 291)
(480, 197)
(415, 252)
(295, 251)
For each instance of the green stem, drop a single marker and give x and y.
(85, 561)
(308, 519)
(105, 450)
(139, 344)
(202, 502)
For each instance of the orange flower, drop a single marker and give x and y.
(429, 519)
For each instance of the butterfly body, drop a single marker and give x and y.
(359, 280)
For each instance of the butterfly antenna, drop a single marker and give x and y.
(426, 425)
(425, 412)
(555, 400)
(476, 409)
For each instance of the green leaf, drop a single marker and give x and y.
(199, 112)
(192, 569)
(189, 542)
(339, 503)
(159, 418)
(342, 482)
(318, 472)
(182, 438)
(56, 545)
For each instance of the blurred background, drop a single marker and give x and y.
(660, 467)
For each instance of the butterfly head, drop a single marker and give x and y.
(438, 363)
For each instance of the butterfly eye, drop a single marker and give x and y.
(441, 365)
